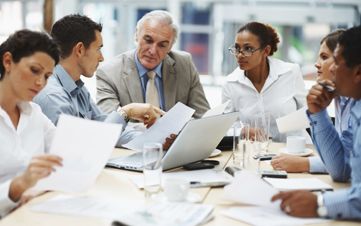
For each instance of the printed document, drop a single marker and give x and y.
(85, 147)
(172, 122)
(312, 184)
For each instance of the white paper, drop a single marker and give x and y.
(218, 110)
(129, 213)
(249, 188)
(312, 184)
(172, 122)
(85, 147)
(263, 216)
(296, 120)
(206, 176)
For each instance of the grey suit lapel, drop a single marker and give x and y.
(169, 82)
(132, 80)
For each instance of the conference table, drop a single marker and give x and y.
(115, 184)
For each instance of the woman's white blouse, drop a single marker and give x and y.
(32, 136)
(283, 92)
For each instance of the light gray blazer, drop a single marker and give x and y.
(118, 83)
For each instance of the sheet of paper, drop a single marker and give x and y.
(218, 110)
(294, 121)
(206, 176)
(134, 213)
(249, 188)
(85, 147)
(172, 122)
(312, 184)
(263, 216)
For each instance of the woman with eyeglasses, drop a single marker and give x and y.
(262, 84)
(27, 60)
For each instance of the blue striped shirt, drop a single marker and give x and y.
(342, 159)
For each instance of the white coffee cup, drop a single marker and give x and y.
(296, 144)
(175, 189)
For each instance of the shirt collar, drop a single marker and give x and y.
(356, 109)
(24, 107)
(67, 81)
(142, 70)
(277, 68)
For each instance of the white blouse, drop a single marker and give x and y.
(18, 145)
(283, 92)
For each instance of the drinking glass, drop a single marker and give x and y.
(242, 147)
(152, 171)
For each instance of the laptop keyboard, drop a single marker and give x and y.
(133, 161)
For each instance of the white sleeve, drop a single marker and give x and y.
(300, 94)
(226, 96)
(49, 132)
(6, 204)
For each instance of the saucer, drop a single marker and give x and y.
(215, 153)
(307, 152)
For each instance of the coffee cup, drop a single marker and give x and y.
(296, 144)
(176, 190)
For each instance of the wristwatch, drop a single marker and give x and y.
(321, 208)
(123, 114)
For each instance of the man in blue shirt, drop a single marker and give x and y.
(80, 42)
(341, 164)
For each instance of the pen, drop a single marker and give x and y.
(198, 184)
(327, 87)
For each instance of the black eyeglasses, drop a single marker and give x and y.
(246, 51)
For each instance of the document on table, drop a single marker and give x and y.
(294, 121)
(85, 147)
(312, 184)
(249, 188)
(218, 110)
(264, 216)
(134, 213)
(172, 122)
(199, 178)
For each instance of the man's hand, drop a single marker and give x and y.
(169, 141)
(291, 164)
(318, 97)
(298, 203)
(145, 113)
(40, 166)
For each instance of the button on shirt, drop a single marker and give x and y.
(283, 92)
(342, 162)
(32, 137)
(62, 95)
(142, 71)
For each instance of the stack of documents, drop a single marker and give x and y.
(312, 184)
(135, 213)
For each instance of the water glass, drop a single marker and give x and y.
(241, 146)
(152, 171)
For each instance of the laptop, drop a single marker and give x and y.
(196, 141)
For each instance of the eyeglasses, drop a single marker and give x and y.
(246, 51)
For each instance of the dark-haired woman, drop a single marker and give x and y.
(27, 60)
(261, 83)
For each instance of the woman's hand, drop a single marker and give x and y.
(40, 166)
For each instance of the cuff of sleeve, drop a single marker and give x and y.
(115, 117)
(319, 120)
(6, 204)
(316, 165)
(337, 204)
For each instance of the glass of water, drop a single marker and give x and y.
(152, 171)
(242, 147)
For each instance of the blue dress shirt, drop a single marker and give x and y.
(62, 95)
(342, 159)
(142, 71)
(343, 128)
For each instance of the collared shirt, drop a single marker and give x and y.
(32, 136)
(142, 71)
(342, 126)
(283, 92)
(62, 95)
(342, 158)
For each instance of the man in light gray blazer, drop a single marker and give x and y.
(124, 79)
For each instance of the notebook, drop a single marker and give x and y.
(195, 142)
